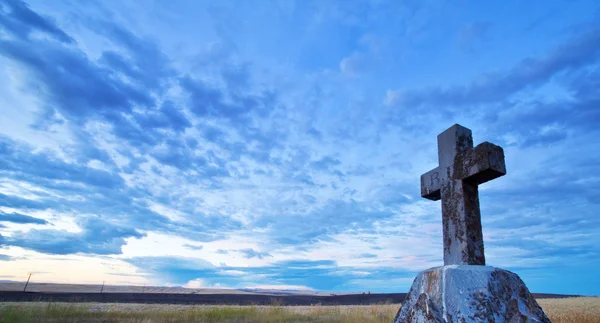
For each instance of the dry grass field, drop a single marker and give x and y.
(572, 310)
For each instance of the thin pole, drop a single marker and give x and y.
(27, 283)
(102, 289)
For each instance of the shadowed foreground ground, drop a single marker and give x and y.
(204, 299)
(571, 310)
(48, 292)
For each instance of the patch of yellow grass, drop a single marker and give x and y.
(145, 313)
(570, 310)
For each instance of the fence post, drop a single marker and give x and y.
(27, 283)
(102, 289)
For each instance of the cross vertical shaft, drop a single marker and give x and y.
(455, 181)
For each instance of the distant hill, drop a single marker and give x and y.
(96, 288)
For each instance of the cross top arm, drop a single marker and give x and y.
(484, 163)
(431, 184)
(460, 161)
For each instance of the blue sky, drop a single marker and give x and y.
(279, 144)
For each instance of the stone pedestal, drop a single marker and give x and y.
(469, 294)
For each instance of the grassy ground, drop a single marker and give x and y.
(572, 310)
(580, 310)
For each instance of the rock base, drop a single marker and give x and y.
(469, 294)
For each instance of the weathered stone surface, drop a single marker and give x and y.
(469, 294)
(461, 168)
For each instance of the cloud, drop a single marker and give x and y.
(17, 202)
(515, 103)
(179, 154)
(117, 90)
(109, 89)
(208, 101)
(46, 166)
(280, 287)
(86, 91)
(544, 138)
(393, 97)
(354, 64)
(325, 163)
(579, 51)
(334, 217)
(126, 88)
(20, 218)
(140, 59)
(230, 272)
(177, 270)
(22, 21)
(97, 237)
(193, 247)
(368, 255)
(472, 34)
(200, 283)
(167, 117)
(162, 263)
(251, 253)
(199, 273)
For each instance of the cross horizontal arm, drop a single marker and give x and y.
(484, 163)
(431, 183)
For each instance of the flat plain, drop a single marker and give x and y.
(566, 310)
(96, 288)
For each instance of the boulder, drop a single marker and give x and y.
(469, 294)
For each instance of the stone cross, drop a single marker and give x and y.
(461, 169)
